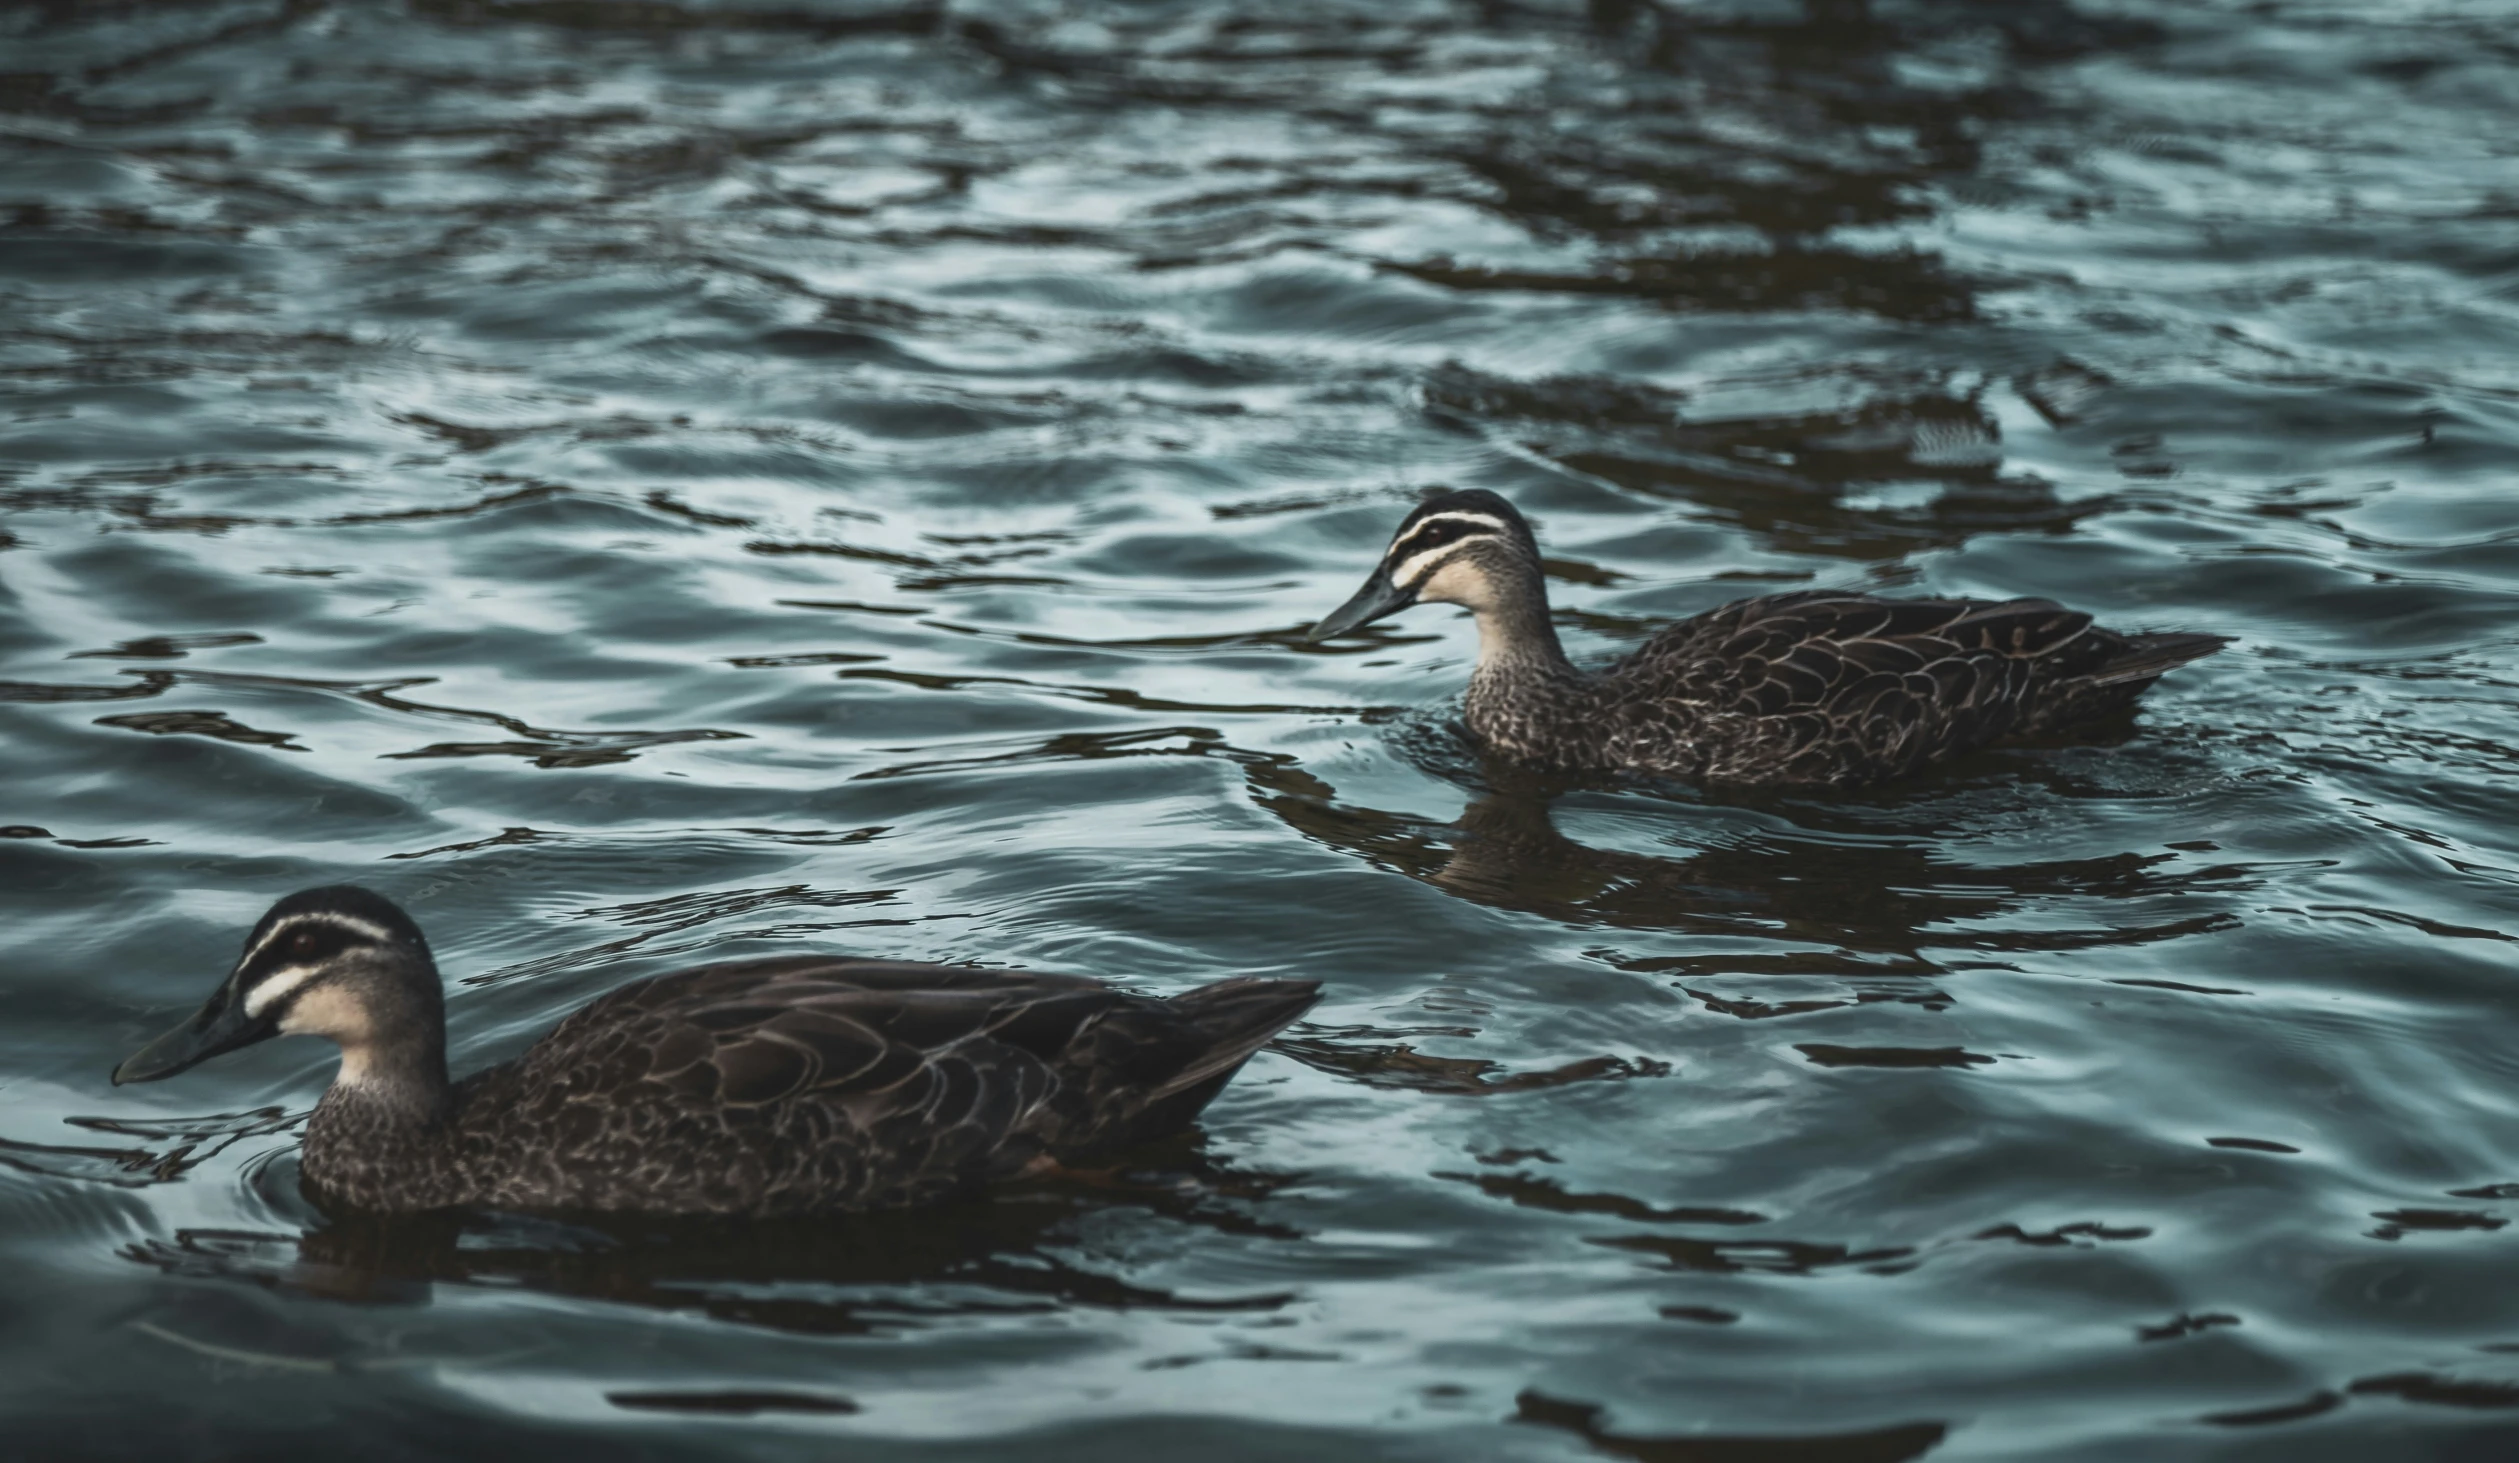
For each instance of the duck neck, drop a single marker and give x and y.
(378, 1136)
(392, 1090)
(1517, 642)
(389, 1091)
(405, 1078)
(1525, 699)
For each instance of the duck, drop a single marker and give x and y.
(793, 1085)
(1814, 689)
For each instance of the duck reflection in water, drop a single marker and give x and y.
(1876, 890)
(1012, 1251)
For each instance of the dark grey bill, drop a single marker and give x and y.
(1379, 597)
(220, 1026)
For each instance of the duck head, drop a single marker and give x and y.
(341, 962)
(1468, 548)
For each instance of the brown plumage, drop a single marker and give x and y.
(1820, 688)
(784, 1086)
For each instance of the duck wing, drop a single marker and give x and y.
(1828, 688)
(814, 1084)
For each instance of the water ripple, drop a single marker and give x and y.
(647, 482)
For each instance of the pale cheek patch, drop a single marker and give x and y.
(276, 988)
(327, 1011)
(1458, 583)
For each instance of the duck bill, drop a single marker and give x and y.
(1379, 597)
(220, 1026)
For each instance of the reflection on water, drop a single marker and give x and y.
(651, 482)
(1785, 481)
(1881, 1445)
(863, 1275)
(1874, 891)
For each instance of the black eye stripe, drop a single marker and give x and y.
(310, 943)
(1434, 533)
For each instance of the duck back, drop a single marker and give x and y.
(805, 1085)
(1827, 689)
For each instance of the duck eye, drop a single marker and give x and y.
(1433, 535)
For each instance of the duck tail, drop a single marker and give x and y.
(1236, 1018)
(2148, 657)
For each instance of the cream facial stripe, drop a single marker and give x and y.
(1405, 571)
(261, 997)
(352, 923)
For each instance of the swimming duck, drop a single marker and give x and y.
(1817, 688)
(802, 1084)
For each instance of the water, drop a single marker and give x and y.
(643, 483)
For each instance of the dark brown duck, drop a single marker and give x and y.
(786, 1086)
(1820, 688)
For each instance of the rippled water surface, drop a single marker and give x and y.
(642, 482)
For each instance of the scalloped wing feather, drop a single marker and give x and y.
(802, 1085)
(1829, 688)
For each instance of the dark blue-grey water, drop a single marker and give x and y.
(643, 481)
